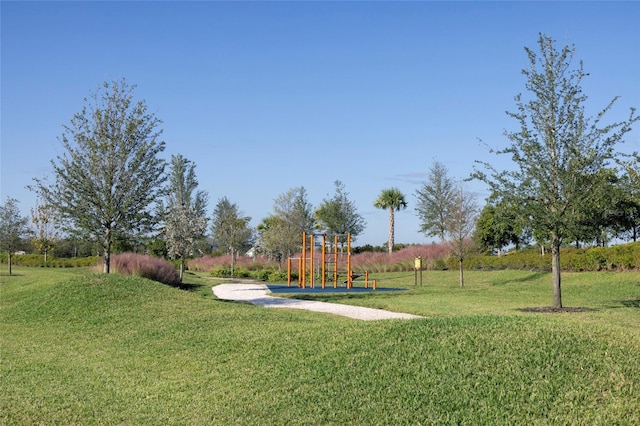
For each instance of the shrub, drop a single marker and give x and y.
(145, 266)
(35, 260)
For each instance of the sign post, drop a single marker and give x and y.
(417, 267)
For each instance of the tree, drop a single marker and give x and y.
(185, 214)
(110, 173)
(433, 199)
(460, 223)
(498, 226)
(557, 150)
(338, 215)
(392, 200)
(280, 234)
(13, 228)
(628, 217)
(44, 219)
(230, 228)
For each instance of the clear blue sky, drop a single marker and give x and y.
(266, 96)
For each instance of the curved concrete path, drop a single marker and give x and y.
(258, 294)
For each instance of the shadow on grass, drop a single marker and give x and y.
(531, 277)
(633, 303)
(552, 310)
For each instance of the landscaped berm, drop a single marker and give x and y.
(82, 348)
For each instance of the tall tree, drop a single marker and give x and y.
(13, 228)
(280, 234)
(433, 200)
(185, 213)
(557, 149)
(110, 173)
(230, 228)
(393, 200)
(44, 219)
(339, 215)
(460, 223)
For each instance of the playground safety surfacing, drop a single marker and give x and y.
(280, 288)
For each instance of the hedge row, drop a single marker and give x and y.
(624, 257)
(272, 276)
(37, 260)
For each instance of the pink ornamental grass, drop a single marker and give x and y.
(145, 266)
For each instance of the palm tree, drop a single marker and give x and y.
(393, 200)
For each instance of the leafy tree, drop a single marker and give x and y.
(110, 172)
(230, 228)
(45, 221)
(393, 200)
(13, 227)
(628, 214)
(338, 215)
(185, 215)
(280, 234)
(499, 225)
(460, 223)
(433, 200)
(557, 150)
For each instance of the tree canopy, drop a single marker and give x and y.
(558, 151)
(280, 234)
(433, 200)
(110, 172)
(393, 200)
(230, 228)
(338, 215)
(185, 220)
(13, 227)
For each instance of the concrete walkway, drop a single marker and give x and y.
(258, 294)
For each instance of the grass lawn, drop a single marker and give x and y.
(85, 348)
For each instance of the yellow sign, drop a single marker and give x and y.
(418, 262)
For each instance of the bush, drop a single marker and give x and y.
(623, 257)
(150, 267)
(37, 261)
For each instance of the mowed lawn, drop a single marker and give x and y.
(85, 348)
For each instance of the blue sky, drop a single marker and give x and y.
(266, 96)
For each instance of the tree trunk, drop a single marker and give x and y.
(233, 261)
(555, 271)
(106, 244)
(181, 267)
(461, 273)
(9, 259)
(391, 230)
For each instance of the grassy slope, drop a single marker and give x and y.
(79, 348)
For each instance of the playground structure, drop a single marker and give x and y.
(332, 263)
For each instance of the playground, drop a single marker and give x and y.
(325, 263)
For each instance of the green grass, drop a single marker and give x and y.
(83, 348)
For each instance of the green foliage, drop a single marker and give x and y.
(393, 200)
(37, 260)
(433, 201)
(560, 154)
(280, 234)
(338, 215)
(623, 257)
(110, 171)
(142, 354)
(184, 216)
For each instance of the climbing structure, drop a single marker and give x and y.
(322, 259)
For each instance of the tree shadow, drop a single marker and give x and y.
(552, 310)
(631, 303)
(531, 277)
